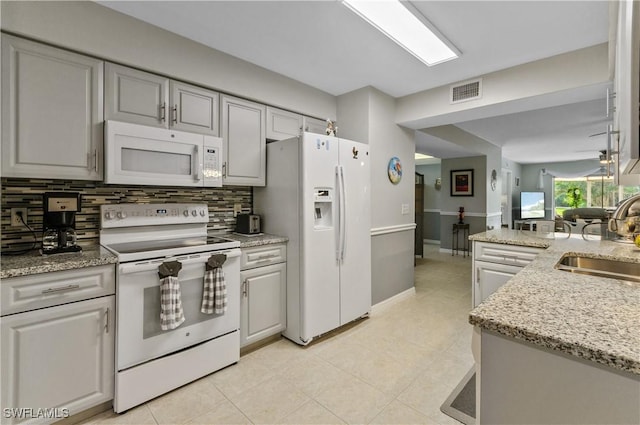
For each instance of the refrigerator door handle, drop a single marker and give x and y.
(339, 225)
(343, 219)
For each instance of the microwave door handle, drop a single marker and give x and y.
(197, 164)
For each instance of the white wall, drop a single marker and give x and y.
(516, 185)
(551, 81)
(494, 211)
(92, 29)
(367, 115)
(355, 115)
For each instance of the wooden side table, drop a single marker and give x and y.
(455, 234)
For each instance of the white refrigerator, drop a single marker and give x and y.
(318, 195)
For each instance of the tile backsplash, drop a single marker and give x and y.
(27, 193)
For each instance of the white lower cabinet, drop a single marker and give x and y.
(263, 300)
(57, 361)
(494, 264)
(57, 336)
(490, 277)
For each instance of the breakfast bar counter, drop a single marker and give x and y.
(556, 346)
(590, 317)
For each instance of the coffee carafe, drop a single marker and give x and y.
(59, 222)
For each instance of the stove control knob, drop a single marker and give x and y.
(202, 213)
(108, 215)
(186, 213)
(194, 213)
(121, 214)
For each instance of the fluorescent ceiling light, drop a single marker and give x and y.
(402, 23)
(422, 156)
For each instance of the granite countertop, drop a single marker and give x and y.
(33, 262)
(594, 318)
(260, 239)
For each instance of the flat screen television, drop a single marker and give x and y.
(531, 205)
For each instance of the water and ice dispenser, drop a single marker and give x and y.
(323, 208)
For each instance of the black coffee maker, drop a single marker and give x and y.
(59, 222)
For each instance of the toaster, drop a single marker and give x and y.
(248, 223)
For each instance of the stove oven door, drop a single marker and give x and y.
(139, 336)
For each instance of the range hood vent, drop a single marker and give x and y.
(469, 90)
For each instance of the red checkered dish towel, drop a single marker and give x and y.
(214, 297)
(171, 314)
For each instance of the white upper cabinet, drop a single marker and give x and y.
(51, 112)
(143, 98)
(282, 124)
(136, 96)
(314, 125)
(244, 135)
(194, 109)
(627, 87)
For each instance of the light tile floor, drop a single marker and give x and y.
(396, 367)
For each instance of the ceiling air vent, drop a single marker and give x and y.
(468, 90)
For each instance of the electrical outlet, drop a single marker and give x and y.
(237, 208)
(15, 219)
(405, 209)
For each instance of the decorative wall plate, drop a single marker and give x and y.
(395, 170)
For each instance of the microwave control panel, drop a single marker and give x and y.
(212, 162)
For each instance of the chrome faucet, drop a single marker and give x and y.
(627, 208)
(626, 218)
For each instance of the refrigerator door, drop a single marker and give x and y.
(355, 264)
(319, 285)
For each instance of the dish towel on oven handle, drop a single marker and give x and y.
(214, 294)
(171, 313)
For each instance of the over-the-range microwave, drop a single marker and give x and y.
(139, 154)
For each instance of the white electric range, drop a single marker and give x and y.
(151, 361)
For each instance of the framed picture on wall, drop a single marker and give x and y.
(461, 182)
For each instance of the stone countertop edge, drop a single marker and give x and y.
(34, 263)
(593, 318)
(260, 239)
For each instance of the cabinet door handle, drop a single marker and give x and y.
(106, 325)
(245, 290)
(477, 274)
(163, 110)
(60, 289)
(174, 111)
(224, 170)
(95, 160)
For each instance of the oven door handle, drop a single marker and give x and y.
(142, 266)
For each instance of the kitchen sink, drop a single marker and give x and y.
(603, 267)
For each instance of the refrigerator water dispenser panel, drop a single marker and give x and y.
(322, 208)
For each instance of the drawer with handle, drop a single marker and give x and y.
(263, 256)
(26, 293)
(505, 254)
